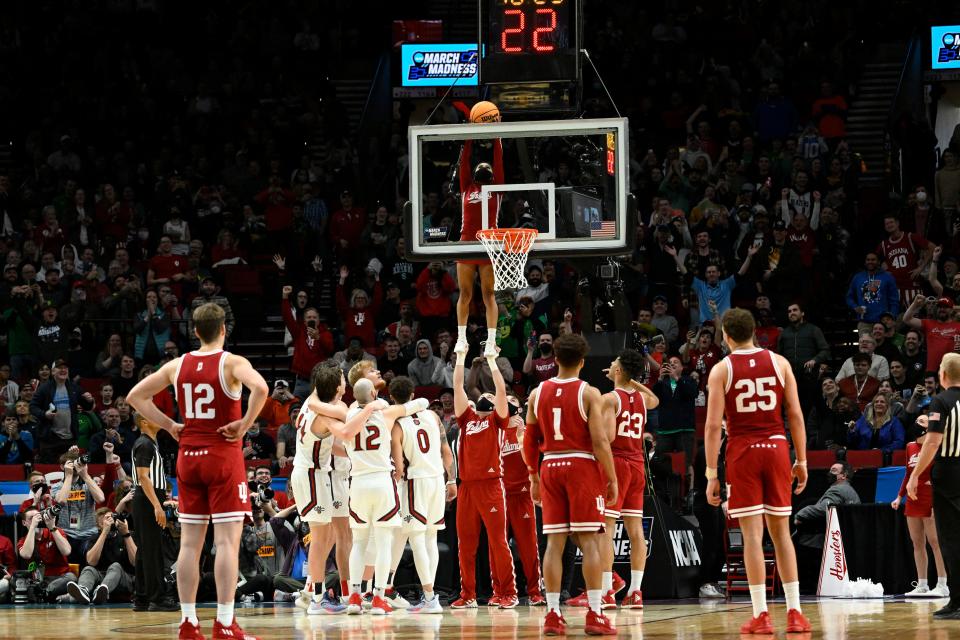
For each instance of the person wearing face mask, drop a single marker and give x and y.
(810, 521)
(544, 367)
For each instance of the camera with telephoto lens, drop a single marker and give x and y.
(260, 492)
(53, 511)
(643, 345)
(120, 516)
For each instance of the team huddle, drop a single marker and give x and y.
(371, 477)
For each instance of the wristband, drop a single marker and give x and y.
(451, 482)
(710, 473)
(800, 463)
(125, 535)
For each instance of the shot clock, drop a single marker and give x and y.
(529, 40)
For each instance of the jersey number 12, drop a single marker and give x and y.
(197, 400)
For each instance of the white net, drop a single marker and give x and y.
(508, 250)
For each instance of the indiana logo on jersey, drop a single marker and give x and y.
(476, 426)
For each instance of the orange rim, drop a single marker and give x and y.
(514, 240)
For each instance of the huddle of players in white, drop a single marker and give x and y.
(386, 445)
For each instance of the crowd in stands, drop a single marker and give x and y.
(131, 206)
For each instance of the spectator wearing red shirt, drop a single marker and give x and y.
(829, 111)
(544, 367)
(50, 236)
(276, 410)
(8, 560)
(277, 204)
(167, 268)
(46, 544)
(312, 343)
(941, 335)
(346, 227)
(226, 248)
(112, 216)
(768, 333)
(359, 314)
(700, 353)
(434, 287)
(802, 234)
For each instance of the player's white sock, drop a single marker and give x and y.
(225, 614)
(594, 599)
(922, 582)
(356, 588)
(428, 595)
(189, 612)
(636, 579)
(758, 598)
(553, 602)
(941, 580)
(606, 582)
(791, 591)
(421, 559)
(461, 332)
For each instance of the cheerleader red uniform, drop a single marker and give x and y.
(922, 507)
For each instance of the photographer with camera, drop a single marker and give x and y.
(47, 545)
(262, 493)
(260, 558)
(78, 497)
(544, 367)
(110, 560)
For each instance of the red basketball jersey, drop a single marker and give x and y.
(562, 417)
(471, 193)
(205, 402)
(631, 418)
(902, 257)
(479, 443)
(754, 394)
(516, 478)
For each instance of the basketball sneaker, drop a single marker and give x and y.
(190, 631)
(536, 600)
(367, 599)
(460, 603)
(941, 590)
(283, 596)
(578, 601)
(494, 601)
(354, 604)
(922, 591)
(761, 624)
(619, 584)
(428, 606)
(396, 600)
(328, 605)
(233, 632)
(509, 603)
(303, 599)
(597, 624)
(379, 606)
(554, 624)
(609, 601)
(797, 622)
(634, 600)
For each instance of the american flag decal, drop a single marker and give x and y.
(605, 229)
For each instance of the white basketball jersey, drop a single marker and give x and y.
(369, 450)
(421, 445)
(313, 452)
(341, 464)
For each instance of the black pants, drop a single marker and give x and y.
(149, 585)
(946, 510)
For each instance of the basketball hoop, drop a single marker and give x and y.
(508, 250)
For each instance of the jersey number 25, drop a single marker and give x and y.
(756, 395)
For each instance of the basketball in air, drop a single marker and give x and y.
(485, 112)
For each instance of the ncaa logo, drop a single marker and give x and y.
(950, 52)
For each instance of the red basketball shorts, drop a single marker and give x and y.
(571, 492)
(759, 477)
(922, 507)
(212, 484)
(630, 484)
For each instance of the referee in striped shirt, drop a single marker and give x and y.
(149, 520)
(941, 446)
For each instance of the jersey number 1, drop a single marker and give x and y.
(198, 407)
(556, 424)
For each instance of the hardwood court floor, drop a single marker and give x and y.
(686, 620)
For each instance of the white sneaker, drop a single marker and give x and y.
(918, 592)
(396, 600)
(428, 606)
(940, 591)
(303, 600)
(283, 596)
(710, 591)
(461, 346)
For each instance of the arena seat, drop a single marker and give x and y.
(736, 575)
(11, 472)
(865, 459)
(821, 459)
(899, 458)
(93, 385)
(430, 392)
